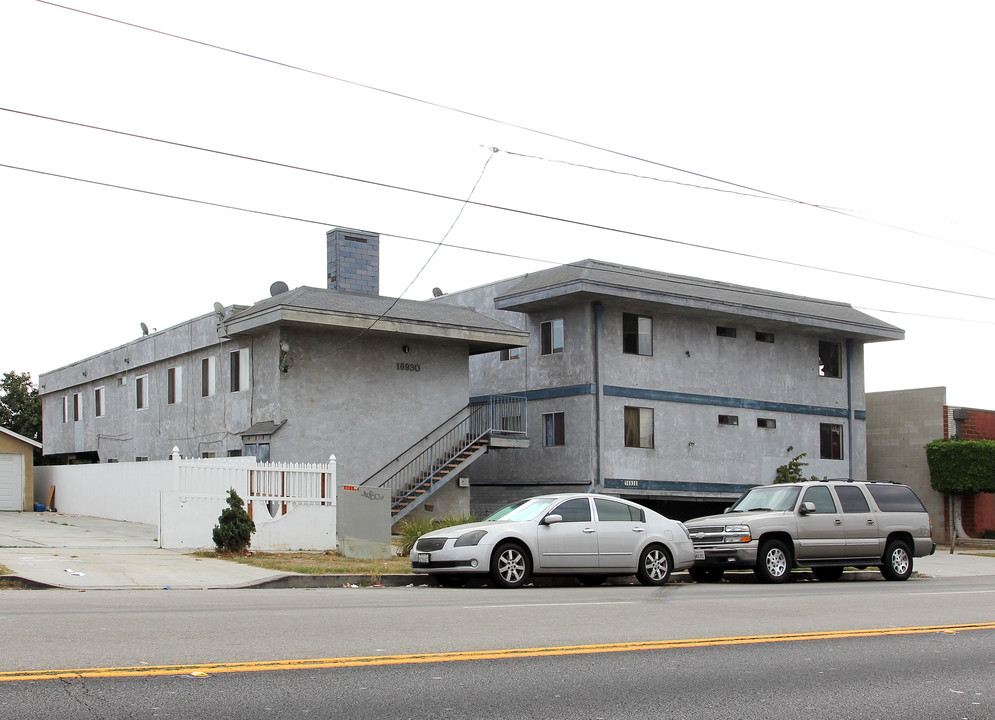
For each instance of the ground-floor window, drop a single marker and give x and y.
(830, 441)
(552, 429)
(639, 427)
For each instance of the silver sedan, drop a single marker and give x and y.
(589, 536)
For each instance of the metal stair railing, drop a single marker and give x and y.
(420, 476)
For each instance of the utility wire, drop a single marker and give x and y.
(430, 257)
(577, 223)
(440, 196)
(453, 109)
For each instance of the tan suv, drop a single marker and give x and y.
(822, 525)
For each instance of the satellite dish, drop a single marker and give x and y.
(145, 329)
(220, 310)
(278, 288)
(436, 292)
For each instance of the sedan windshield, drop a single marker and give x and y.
(770, 497)
(528, 510)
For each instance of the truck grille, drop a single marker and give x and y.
(707, 535)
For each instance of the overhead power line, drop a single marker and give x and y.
(468, 113)
(576, 223)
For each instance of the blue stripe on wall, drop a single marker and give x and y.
(691, 488)
(686, 398)
(693, 399)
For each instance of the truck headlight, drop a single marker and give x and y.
(737, 534)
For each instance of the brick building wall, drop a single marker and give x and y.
(978, 510)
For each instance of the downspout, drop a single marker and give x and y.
(849, 405)
(599, 309)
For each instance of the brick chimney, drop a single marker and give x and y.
(353, 261)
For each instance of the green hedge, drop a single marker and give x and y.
(958, 467)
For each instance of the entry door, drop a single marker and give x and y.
(820, 534)
(572, 543)
(11, 481)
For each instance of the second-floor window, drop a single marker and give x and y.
(141, 392)
(511, 354)
(830, 361)
(207, 377)
(240, 370)
(637, 334)
(174, 385)
(77, 406)
(551, 336)
(98, 402)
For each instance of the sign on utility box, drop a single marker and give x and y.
(363, 526)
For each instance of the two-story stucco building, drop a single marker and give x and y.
(298, 376)
(674, 391)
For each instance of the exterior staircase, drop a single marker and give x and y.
(417, 473)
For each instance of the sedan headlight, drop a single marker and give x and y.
(737, 533)
(469, 539)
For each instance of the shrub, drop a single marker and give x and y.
(233, 533)
(413, 528)
(792, 472)
(961, 466)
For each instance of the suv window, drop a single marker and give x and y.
(895, 498)
(822, 498)
(852, 500)
(576, 510)
(609, 510)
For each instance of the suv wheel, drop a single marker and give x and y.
(773, 562)
(897, 561)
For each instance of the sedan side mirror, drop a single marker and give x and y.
(807, 508)
(550, 519)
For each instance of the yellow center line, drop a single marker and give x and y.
(317, 663)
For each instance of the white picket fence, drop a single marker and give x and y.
(292, 504)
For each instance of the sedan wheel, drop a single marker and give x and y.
(510, 566)
(654, 566)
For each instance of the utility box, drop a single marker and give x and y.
(363, 524)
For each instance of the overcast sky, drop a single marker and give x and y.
(877, 116)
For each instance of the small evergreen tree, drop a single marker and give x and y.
(233, 533)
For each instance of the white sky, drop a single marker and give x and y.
(883, 109)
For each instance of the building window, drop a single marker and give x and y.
(551, 335)
(142, 458)
(728, 420)
(511, 423)
(174, 385)
(637, 334)
(638, 427)
(141, 392)
(729, 332)
(830, 359)
(259, 450)
(552, 429)
(764, 337)
(511, 354)
(65, 408)
(98, 402)
(207, 377)
(769, 423)
(240, 370)
(207, 455)
(77, 406)
(234, 453)
(830, 441)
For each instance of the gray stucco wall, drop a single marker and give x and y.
(899, 425)
(692, 377)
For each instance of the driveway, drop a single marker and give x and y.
(86, 553)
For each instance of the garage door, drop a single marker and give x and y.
(11, 483)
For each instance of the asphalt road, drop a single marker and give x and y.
(937, 674)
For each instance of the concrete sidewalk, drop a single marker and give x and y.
(86, 553)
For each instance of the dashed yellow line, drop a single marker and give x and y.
(207, 669)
